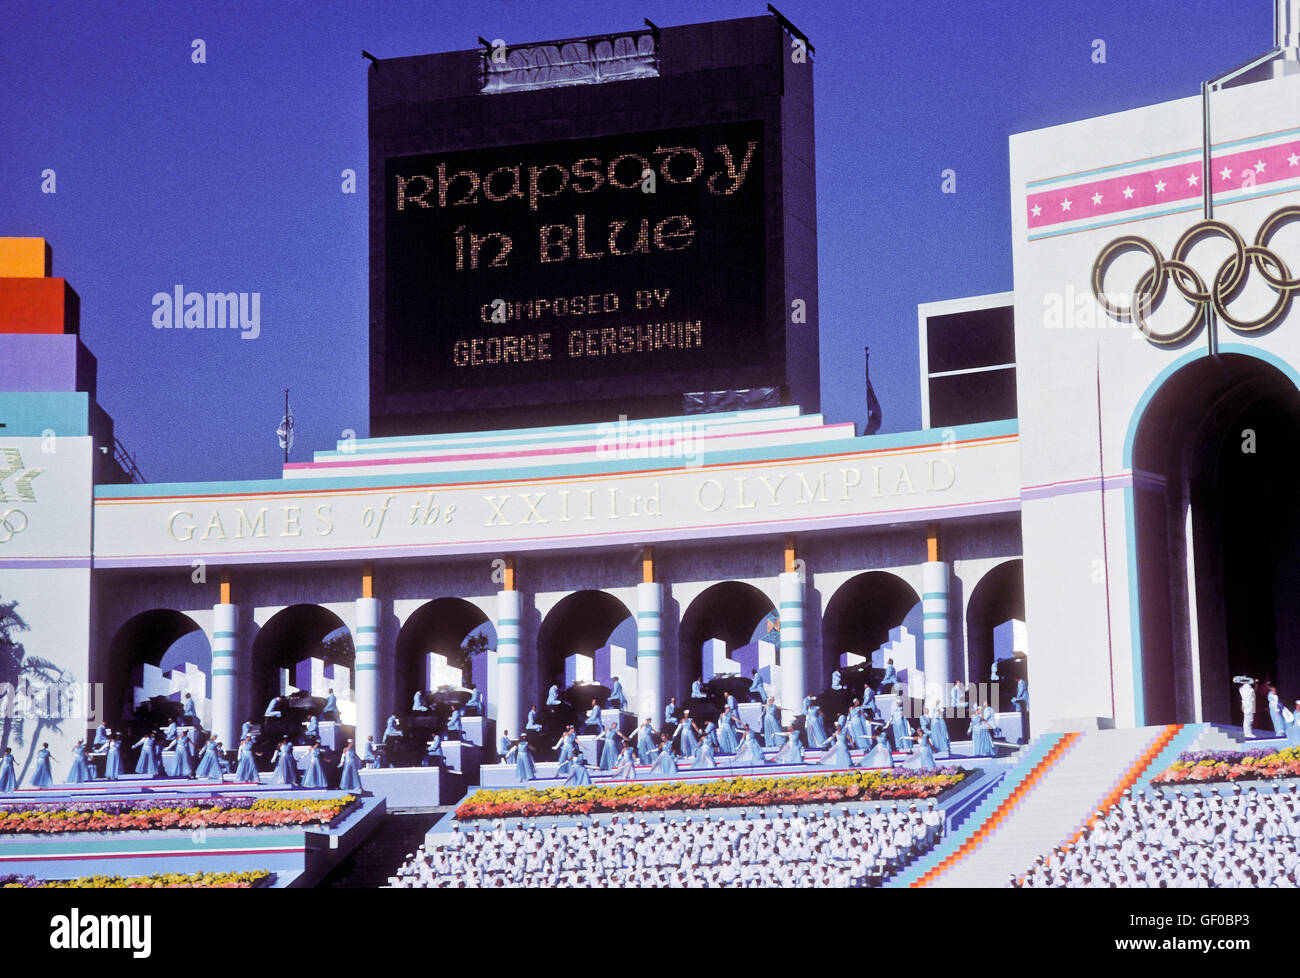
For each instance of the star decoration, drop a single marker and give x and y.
(1128, 192)
(1160, 186)
(1293, 159)
(1096, 199)
(1226, 173)
(1259, 166)
(1065, 204)
(1192, 179)
(1035, 210)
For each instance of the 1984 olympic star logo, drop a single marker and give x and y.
(1228, 281)
(15, 475)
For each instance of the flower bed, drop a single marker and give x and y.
(1210, 766)
(146, 815)
(223, 881)
(724, 793)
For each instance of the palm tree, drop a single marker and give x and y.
(18, 670)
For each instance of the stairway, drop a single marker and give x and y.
(377, 858)
(1090, 774)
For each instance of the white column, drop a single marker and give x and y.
(225, 618)
(509, 713)
(365, 679)
(793, 686)
(935, 575)
(649, 651)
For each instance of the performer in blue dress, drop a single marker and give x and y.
(434, 756)
(925, 752)
(901, 728)
(209, 768)
(687, 731)
(474, 705)
(578, 773)
(147, 762)
(312, 734)
(42, 776)
(8, 777)
(813, 728)
(592, 721)
(981, 738)
(939, 731)
(732, 705)
(349, 776)
(113, 759)
(869, 703)
(79, 772)
(553, 696)
(1292, 721)
(371, 758)
(838, 754)
(189, 714)
(273, 708)
(697, 690)
(644, 736)
(314, 776)
(169, 734)
(1274, 709)
(670, 713)
(609, 747)
(711, 735)
(417, 703)
(703, 756)
(565, 744)
(330, 711)
(727, 742)
(182, 759)
(102, 735)
(748, 753)
(881, 756)
(757, 692)
(665, 763)
(835, 680)
(532, 723)
(522, 754)
(791, 751)
(286, 771)
(890, 679)
(859, 730)
(625, 770)
(246, 770)
(772, 736)
(617, 698)
(1021, 701)
(455, 725)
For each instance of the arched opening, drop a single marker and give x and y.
(733, 612)
(154, 658)
(301, 651)
(859, 618)
(995, 617)
(579, 624)
(1218, 537)
(459, 635)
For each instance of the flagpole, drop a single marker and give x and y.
(286, 415)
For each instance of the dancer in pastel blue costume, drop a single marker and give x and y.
(670, 712)
(475, 702)
(727, 742)
(1274, 710)
(113, 759)
(286, 771)
(617, 698)
(272, 708)
(939, 731)
(592, 720)
(625, 770)
(881, 756)
(371, 757)
(434, 756)
(43, 777)
(454, 724)
(417, 703)
(791, 751)
(349, 776)
(697, 690)
(813, 728)
(246, 770)
(182, 759)
(331, 708)
(565, 744)
(703, 757)
(645, 742)
(609, 748)
(1021, 702)
(1292, 721)
(665, 763)
(8, 777)
(902, 729)
(687, 732)
(553, 696)
(981, 738)
(925, 752)
(859, 730)
(313, 729)
(79, 772)
(732, 705)
(210, 762)
(246, 730)
(749, 753)
(314, 776)
(391, 731)
(711, 735)
(890, 679)
(869, 702)
(838, 754)
(757, 692)
(772, 736)
(101, 736)
(532, 723)
(578, 775)
(147, 762)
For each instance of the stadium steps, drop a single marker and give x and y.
(384, 850)
(1217, 736)
(1092, 773)
(1032, 760)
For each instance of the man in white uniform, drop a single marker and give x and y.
(1247, 706)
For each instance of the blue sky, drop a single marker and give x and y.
(226, 176)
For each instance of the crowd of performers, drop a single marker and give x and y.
(1237, 839)
(827, 849)
(731, 742)
(194, 756)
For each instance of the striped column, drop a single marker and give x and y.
(793, 687)
(935, 575)
(649, 650)
(225, 618)
(509, 705)
(365, 679)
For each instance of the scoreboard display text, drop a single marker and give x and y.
(564, 261)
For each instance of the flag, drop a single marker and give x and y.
(285, 431)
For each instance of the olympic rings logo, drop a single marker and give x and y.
(1228, 281)
(9, 526)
